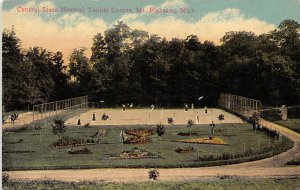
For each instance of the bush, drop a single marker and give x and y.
(105, 117)
(66, 141)
(170, 120)
(160, 130)
(190, 123)
(80, 151)
(272, 133)
(153, 174)
(228, 156)
(59, 126)
(5, 178)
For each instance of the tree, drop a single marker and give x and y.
(41, 80)
(117, 40)
(129, 65)
(14, 71)
(99, 48)
(59, 127)
(80, 69)
(59, 76)
(27, 76)
(287, 38)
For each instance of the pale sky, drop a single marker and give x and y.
(209, 19)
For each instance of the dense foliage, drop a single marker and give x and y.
(131, 66)
(59, 127)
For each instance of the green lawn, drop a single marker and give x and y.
(35, 149)
(208, 184)
(293, 124)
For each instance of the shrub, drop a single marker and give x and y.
(5, 178)
(170, 120)
(59, 126)
(153, 174)
(293, 162)
(66, 141)
(190, 123)
(228, 156)
(160, 130)
(272, 133)
(221, 117)
(80, 151)
(105, 117)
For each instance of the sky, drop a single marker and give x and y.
(208, 19)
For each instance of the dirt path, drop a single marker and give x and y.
(23, 119)
(266, 168)
(137, 175)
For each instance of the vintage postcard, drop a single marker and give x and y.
(140, 94)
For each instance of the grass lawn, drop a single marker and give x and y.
(293, 124)
(33, 149)
(210, 184)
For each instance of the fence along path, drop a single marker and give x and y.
(246, 107)
(238, 104)
(45, 110)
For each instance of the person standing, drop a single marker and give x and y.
(186, 107)
(94, 116)
(212, 127)
(122, 137)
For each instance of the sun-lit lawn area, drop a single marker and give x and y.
(34, 149)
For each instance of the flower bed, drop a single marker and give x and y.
(67, 141)
(134, 153)
(140, 132)
(137, 140)
(214, 140)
